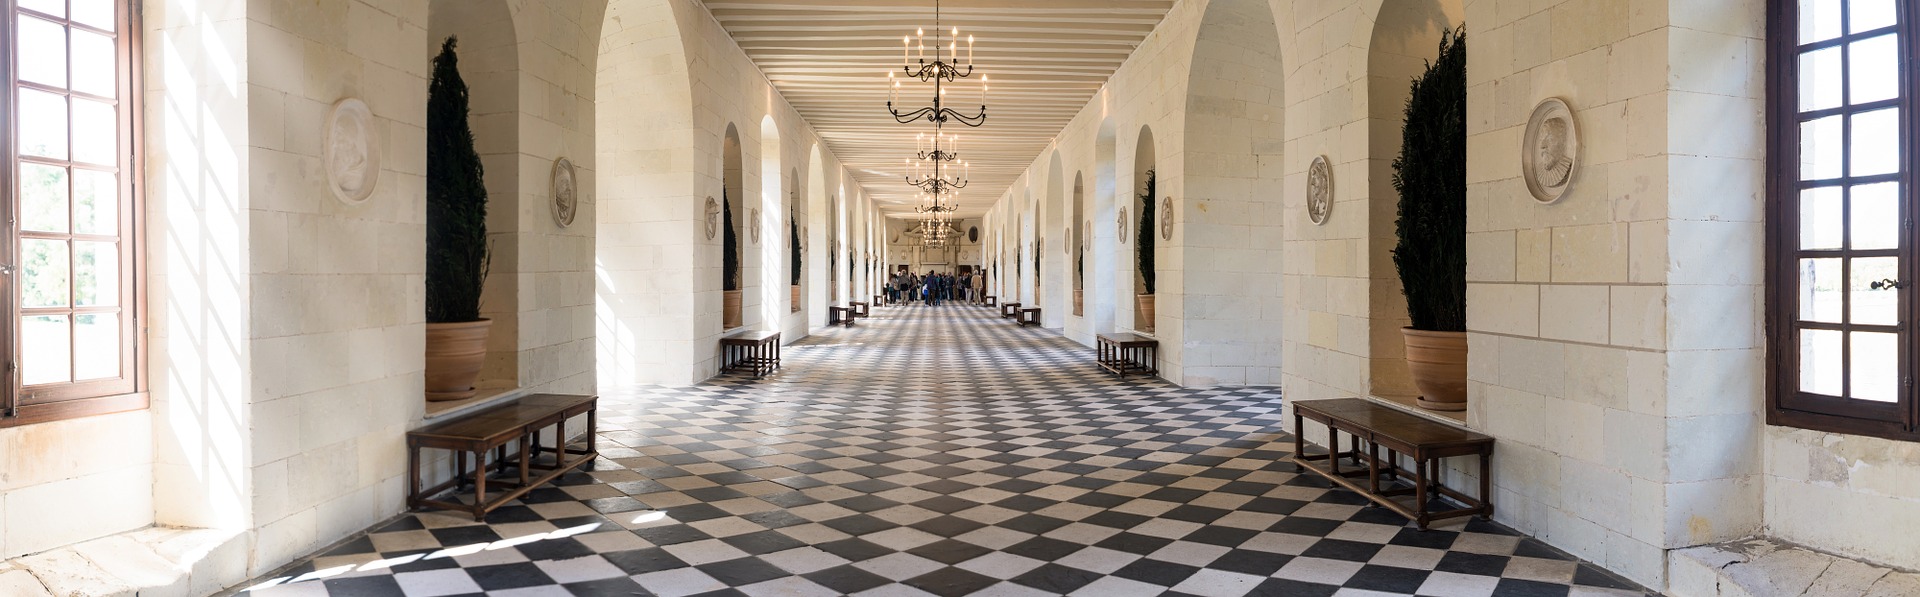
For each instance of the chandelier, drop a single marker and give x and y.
(932, 171)
(939, 72)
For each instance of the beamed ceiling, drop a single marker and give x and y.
(1046, 59)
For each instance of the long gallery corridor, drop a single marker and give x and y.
(938, 451)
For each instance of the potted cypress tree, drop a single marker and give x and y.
(793, 268)
(729, 265)
(457, 252)
(1143, 255)
(1079, 280)
(1431, 176)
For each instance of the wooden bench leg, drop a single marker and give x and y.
(1299, 442)
(480, 486)
(413, 476)
(1486, 485)
(1420, 492)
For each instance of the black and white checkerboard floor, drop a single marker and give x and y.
(938, 451)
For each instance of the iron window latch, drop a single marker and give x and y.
(1889, 284)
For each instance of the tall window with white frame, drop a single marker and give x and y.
(72, 333)
(1840, 219)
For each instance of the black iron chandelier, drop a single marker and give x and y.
(933, 171)
(939, 72)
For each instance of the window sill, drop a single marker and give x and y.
(1797, 419)
(487, 397)
(29, 414)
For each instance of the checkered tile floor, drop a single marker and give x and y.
(943, 451)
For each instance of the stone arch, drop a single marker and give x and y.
(1081, 226)
(773, 283)
(649, 207)
(1405, 38)
(491, 69)
(732, 194)
(1144, 161)
(1224, 264)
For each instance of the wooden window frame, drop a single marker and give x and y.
(1787, 405)
(53, 402)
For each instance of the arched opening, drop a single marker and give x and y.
(1080, 226)
(1405, 38)
(765, 231)
(732, 282)
(796, 268)
(1229, 215)
(1145, 200)
(489, 64)
(1107, 243)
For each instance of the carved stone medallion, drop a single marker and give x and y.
(753, 224)
(1550, 151)
(566, 194)
(1066, 246)
(352, 152)
(713, 218)
(1166, 218)
(1319, 190)
(1121, 227)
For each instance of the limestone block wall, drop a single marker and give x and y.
(74, 480)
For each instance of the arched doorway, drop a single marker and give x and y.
(1144, 199)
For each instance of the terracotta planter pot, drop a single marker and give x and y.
(730, 309)
(1438, 361)
(1079, 302)
(1143, 312)
(454, 354)
(794, 303)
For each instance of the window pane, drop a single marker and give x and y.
(1819, 19)
(96, 202)
(1820, 362)
(1820, 79)
(96, 133)
(1876, 143)
(1876, 216)
(1820, 148)
(1876, 370)
(43, 198)
(99, 13)
(56, 8)
(1875, 307)
(1873, 69)
(43, 124)
(94, 70)
(1868, 15)
(42, 50)
(46, 354)
(1820, 290)
(96, 340)
(96, 275)
(43, 282)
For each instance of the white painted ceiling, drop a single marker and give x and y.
(1045, 58)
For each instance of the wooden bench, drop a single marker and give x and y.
(880, 299)
(1421, 439)
(1009, 310)
(990, 300)
(1127, 353)
(758, 352)
(1028, 316)
(840, 316)
(861, 309)
(489, 431)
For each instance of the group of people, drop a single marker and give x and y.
(935, 287)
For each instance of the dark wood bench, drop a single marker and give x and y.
(1127, 353)
(1028, 316)
(840, 316)
(990, 300)
(489, 431)
(1423, 440)
(758, 352)
(861, 309)
(1009, 310)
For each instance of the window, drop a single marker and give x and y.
(1840, 223)
(72, 332)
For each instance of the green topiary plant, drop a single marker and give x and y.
(794, 234)
(729, 246)
(1431, 176)
(457, 253)
(1143, 249)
